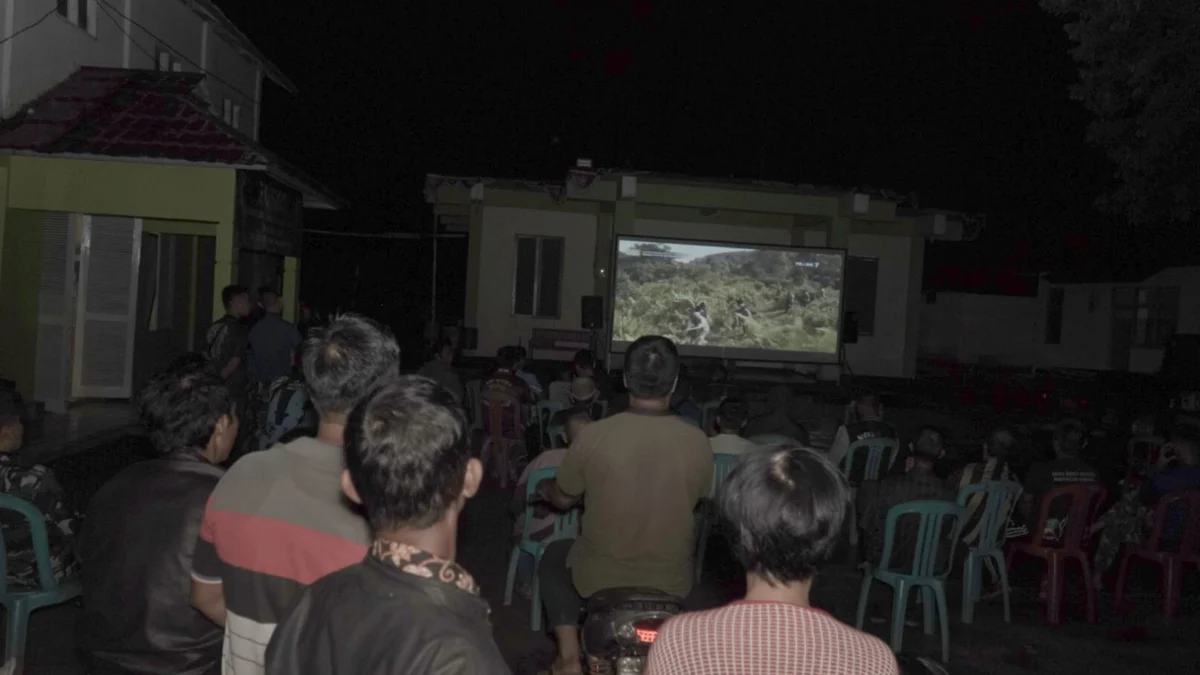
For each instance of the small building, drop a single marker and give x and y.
(516, 228)
(1108, 322)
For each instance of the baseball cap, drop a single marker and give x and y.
(583, 389)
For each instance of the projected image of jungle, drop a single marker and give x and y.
(734, 296)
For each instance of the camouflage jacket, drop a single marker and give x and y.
(35, 484)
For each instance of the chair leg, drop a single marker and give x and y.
(535, 604)
(1089, 587)
(1172, 587)
(939, 593)
(14, 640)
(863, 592)
(1122, 579)
(513, 561)
(927, 601)
(1002, 569)
(899, 607)
(1054, 590)
(969, 583)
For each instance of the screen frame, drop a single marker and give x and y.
(735, 353)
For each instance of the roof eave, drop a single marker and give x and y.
(208, 10)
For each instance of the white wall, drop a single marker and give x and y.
(498, 242)
(965, 326)
(711, 231)
(882, 354)
(238, 81)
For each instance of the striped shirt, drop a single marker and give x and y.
(276, 522)
(766, 638)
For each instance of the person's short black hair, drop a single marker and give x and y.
(232, 291)
(584, 358)
(651, 367)
(786, 507)
(1070, 435)
(265, 290)
(507, 357)
(441, 344)
(180, 406)
(1001, 443)
(346, 359)
(867, 397)
(732, 414)
(407, 449)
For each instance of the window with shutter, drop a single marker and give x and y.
(51, 372)
(107, 304)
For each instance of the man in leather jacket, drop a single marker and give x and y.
(140, 532)
(408, 608)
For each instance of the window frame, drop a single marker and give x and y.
(537, 276)
(1157, 314)
(68, 10)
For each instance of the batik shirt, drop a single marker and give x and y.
(35, 484)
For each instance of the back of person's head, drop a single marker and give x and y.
(1069, 437)
(235, 298)
(408, 456)
(583, 390)
(585, 360)
(507, 357)
(1000, 444)
(1186, 441)
(732, 415)
(651, 367)
(786, 507)
(928, 444)
(270, 299)
(443, 350)
(345, 360)
(868, 405)
(576, 424)
(186, 406)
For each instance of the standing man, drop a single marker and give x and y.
(226, 338)
(407, 608)
(140, 534)
(272, 343)
(642, 473)
(278, 521)
(440, 369)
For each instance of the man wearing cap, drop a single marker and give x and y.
(35, 484)
(583, 401)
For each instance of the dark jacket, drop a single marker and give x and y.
(375, 618)
(136, 554)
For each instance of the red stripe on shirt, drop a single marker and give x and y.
(280, 549)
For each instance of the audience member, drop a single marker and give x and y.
(505, 388)
(289, 410)
(140, 533)
(440, 369)
(777, 421)
(272, 342)
(408, 607)
(586, 364)
(225, 339)
(994, 467)
(583, 401)
(1065, 468)
(277, 521)
(919, 482)
(864, 421)
(681, 400)
(644, 466)
(531, 379)
(786, 507)
(37, 485)
(731, 419)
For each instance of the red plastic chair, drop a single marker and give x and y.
(1141, 452)
(1085, 500)
(497, 442)
(1172, 562)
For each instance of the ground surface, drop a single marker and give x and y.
(1135, 643)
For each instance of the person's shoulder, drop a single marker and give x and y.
(871, 655)
(15, 477)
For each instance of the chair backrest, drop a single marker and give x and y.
(722, 465)
(566, 524)
(557, 434)
(1085, 500)
(931, 533)
(881, 454)
(41, 542)
(495, 417)
(1142, 451)
(560, 391)
(999, 497)
(1180, 509)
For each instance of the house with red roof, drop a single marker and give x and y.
(132, 189)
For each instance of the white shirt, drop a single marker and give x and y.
(731, 444)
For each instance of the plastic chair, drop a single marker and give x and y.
(474, 402)
(1141, 452)
(544, 410)
(497, 442)
(925, 574)
(1168, 513)
(20, 603)
(722, 465)
(558, 435)
(559, 391)
(566, 526)
(999, 498)
(1085, 500)
(877, 463)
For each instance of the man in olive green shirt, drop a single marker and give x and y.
(643, 472)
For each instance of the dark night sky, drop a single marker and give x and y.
(964, 102)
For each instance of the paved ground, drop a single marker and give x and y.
(1136, 643)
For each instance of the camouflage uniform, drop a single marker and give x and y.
(35, 484)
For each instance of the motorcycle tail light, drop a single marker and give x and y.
(647, 629)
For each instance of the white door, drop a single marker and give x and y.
(107, 307)
(56, 290)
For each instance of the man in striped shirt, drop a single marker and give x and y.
(277, 521)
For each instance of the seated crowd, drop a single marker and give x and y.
(334, 551)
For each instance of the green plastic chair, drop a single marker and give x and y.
(881, 454)
(566, 526)
(722, 465)
(544, 411)
(924, 574)
(557, 433)
(999, 498)
(19, 603)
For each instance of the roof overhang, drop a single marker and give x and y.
(315, 195)
(166, 161)
(209, 11)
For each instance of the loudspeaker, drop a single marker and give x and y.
(468, 338)
(591, 311)
(850, 328)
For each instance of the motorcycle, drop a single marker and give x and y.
(621, 625)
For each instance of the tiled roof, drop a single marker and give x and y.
(128, 113)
